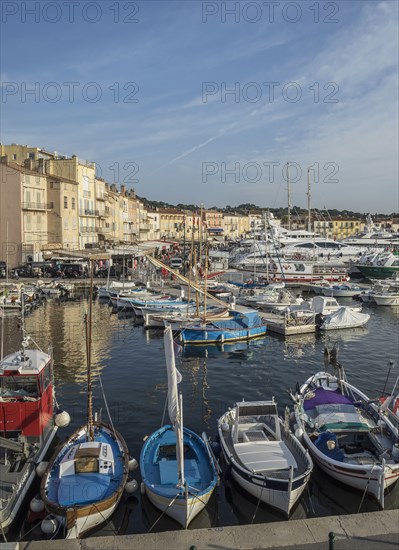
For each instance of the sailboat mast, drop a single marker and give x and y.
(206, 278)
(88, 322)
(289, 196)
(309, 202)
(180, 443)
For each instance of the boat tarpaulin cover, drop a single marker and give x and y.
(345, 318)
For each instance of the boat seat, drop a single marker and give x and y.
(255, 435)
(168, 471)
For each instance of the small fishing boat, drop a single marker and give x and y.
(264, 457)
(240, 325)
(344, 317)
(348, 435)
(343, 290)
(388, 296)
(28, 424)
(177, 465)
(88, 472)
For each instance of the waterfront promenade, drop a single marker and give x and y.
(370, 531)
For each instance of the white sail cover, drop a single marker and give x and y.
(175, 414)
(345, 317)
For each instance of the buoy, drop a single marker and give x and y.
(131, 487)
(62, 419)
(41, 468)
(142, 488)
(49, 525)
(133, 465)
(36, 505)
(299, 433)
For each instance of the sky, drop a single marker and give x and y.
(206, 102)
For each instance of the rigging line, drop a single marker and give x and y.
(365, 489)
(30, 530)
(257, 506)
(167, 508)
(106, 403)
(105, 519)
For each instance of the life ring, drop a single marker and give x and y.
(379, 262)
(251, 292)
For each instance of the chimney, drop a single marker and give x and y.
(123, 190)
(42, 166)
(113, 187)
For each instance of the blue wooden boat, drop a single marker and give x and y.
(85, 479)
(239, 326)
(177, 466)
(87, 474)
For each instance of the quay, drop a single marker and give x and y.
(367, 531)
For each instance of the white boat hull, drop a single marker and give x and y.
(280, 500)
(386, 300)
(183, 511)
(87, 523)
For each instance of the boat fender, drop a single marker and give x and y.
(142, 488)
(225, 427)
(216, 448)
(36, 505)
(133, 465)
(299, 433)
(41, 468)
(62, 419)
(227, 473)
(49, 525)
(395, 452)
(131, 487)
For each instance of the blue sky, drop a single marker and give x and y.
(335, 106)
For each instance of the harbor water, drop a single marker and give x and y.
(129, 369)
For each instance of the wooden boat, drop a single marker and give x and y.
(87, 474)
(177, 466)
(347, 434)
(265, 458)
(241, 325)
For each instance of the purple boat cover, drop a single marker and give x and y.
(326, 397)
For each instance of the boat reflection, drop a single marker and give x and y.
(242, 350)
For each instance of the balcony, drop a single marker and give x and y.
(37, 206)
(101, 196)
(88, 212)
(103, 230)
(86, 229)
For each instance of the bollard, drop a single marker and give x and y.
(331, 538)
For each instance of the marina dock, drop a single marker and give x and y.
(280, 324)
(368, 531)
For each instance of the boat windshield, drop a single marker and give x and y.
(19, 386)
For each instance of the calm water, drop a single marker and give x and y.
(131, 364)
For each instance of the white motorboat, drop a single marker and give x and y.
(264, 457)
(387, 297)
(342, 290)
(344, 317)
